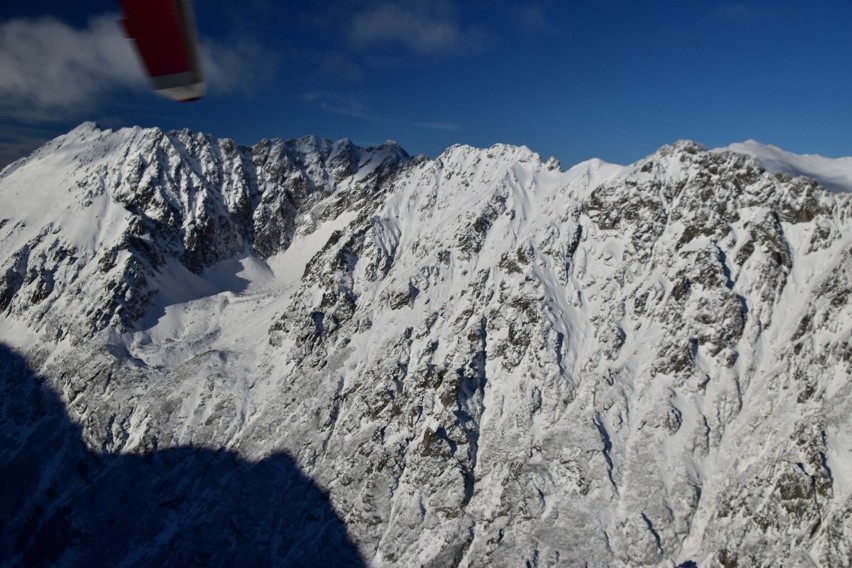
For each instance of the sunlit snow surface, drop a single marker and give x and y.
(486, 359)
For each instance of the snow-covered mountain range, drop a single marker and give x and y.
(305, 352)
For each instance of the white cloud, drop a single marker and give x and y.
(49, 69)
(425, 27)
(46, 64)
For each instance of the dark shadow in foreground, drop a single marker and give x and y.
(61, 504)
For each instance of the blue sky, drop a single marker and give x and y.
(607, 79)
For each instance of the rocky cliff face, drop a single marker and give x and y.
(482, 359)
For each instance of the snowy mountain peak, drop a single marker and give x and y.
(500, 152)
(84, 128)
(681, 146)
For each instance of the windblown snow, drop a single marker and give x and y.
(835, 174)
(482, 358)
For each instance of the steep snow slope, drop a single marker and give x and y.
(485, 360)
(118, 219)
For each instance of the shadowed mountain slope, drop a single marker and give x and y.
(64, 505)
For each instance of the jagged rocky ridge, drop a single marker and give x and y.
(482, 358)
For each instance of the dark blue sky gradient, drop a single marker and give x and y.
(575, 80)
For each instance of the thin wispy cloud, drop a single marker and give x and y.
(341, 66)
(438, 126)
(426, 28)
(49, 69)
(19, 141)
(345, 105)
(352, 107)
(736, 12)
(240, 66)
(532, 19)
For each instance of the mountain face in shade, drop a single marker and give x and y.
(476, 360)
